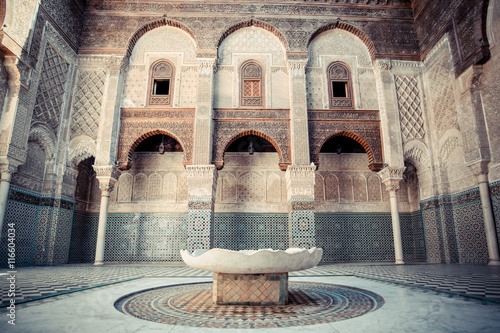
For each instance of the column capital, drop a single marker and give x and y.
(297, 68)
(206, 66)
(7, 168)
(300, 181)
(202, 182)
(480, 170)
(10, 64)
(201, 171)
(117, 63)
(107, 175)
(470, 80)
(391, 177)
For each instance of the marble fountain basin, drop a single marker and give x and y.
(261, 261)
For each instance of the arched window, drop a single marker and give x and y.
(161, 85)
(252, 84)
(340, 85)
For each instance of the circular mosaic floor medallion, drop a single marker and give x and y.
(191, 305)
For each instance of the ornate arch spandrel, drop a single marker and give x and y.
(277, 133)
(133, 132)
(367, 134)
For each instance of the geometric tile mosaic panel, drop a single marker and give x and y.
(368, 237)
(131, 237)
(251, 231)
(412, 234)
(302, 223)
(355, 237)
(471, 236)
(433, 235)
(24, 216)
(83, 237)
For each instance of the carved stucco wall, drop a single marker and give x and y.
(440, 84)
(339, 45)
(22, 24)
(251, 184)
(257, 44)
(30, 175)
(344, 183)
(156, 183)
(162, 43)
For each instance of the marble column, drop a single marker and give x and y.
(6, 171)
(301, 220)
(201, 182)
(391, 177)
(107, 176)
(481, 172)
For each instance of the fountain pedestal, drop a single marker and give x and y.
(252, 277)
(250, 289)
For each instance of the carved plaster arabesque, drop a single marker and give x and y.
(410, 111)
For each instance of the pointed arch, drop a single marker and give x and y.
(372, 165)
(156, 24)
(254, 23)
(128, 164)
(349, 28)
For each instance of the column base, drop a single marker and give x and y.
(250, 289)
(98, 263)
(494, 262)
(399, 262)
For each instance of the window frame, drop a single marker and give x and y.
(154, 77)
(335, 75)
(251, 101)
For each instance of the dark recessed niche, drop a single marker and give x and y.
(153, 143)
(259, 144)
(342, 145)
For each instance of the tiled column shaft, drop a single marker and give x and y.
(301, 221)
(391, 177)
(107, 176)
(201, 180)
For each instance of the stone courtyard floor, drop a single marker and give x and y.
(416, 298)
